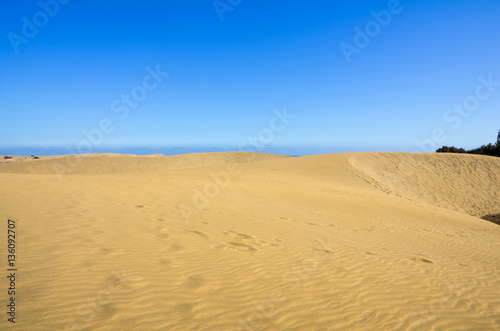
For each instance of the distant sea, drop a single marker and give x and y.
(290, 151)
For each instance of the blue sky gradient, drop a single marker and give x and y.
(226, 76)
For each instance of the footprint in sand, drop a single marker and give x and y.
(238, 235)
(323, 250)
(142, 207)
(194, 282)
(236, 246)
(240, 242)
(240, 246)
(176, 248)
(106, 251)
(185, 309)
(162, 232)
(164, 236)
(106, 312)
(419, 259)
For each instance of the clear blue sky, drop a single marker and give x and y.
(227, 75)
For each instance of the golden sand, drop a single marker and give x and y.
(242, 241)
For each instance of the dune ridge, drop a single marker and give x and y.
(323, 242)
(92, 164)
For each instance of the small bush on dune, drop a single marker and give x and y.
(452, 149)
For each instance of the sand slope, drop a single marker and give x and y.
(375, 241)
(465, 183)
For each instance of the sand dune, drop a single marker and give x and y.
(465, 183)
(92, 164)
(237, 241)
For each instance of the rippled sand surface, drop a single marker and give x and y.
(242, 241)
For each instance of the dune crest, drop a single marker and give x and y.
(93, 164)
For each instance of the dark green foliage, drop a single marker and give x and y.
(452, 149)
(6, 157)
(490, 149)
